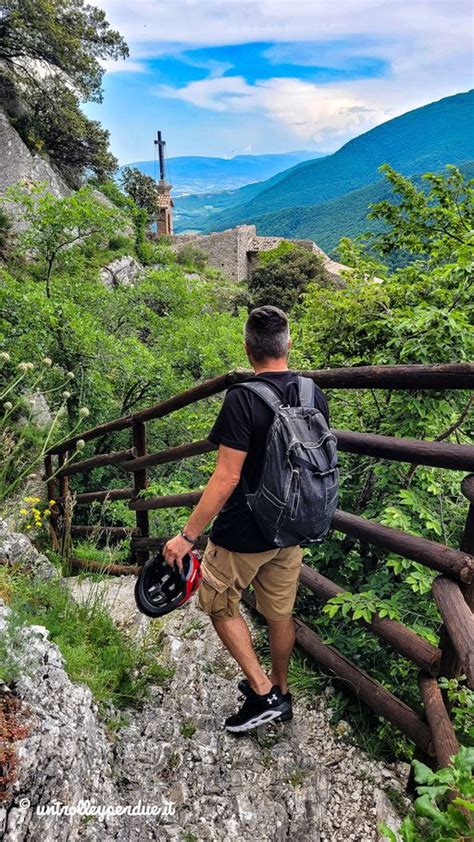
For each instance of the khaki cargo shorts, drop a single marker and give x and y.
(273, 574)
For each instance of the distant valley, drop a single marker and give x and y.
(328, 198)
(191, 174)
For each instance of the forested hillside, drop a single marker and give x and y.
(425, 139)
(328, 222)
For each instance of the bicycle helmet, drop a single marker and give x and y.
(160, 588)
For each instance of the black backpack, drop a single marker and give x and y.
(297, 493)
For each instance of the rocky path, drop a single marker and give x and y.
(297, 781)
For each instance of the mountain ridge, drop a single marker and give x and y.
(198, 173)
(425, 138)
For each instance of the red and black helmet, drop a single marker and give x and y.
(160, 588)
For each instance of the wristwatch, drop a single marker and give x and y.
(191, 541)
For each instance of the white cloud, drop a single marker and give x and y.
(444, 25)
(123, 66)
(311, 112)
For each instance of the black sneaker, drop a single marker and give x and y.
(258, 710)
(244, 687)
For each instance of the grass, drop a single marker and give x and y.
(109, 554)
(95, 651)
(188, 729)
(297, 778)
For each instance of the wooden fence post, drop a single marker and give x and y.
(140, 482)
(450, 665)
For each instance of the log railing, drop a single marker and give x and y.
(453, 589)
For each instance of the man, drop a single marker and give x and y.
(237, 554)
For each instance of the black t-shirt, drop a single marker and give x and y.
(243, 423)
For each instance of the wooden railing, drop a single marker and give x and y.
(453, 589)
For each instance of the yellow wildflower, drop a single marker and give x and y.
(47, 512)
(52, 503)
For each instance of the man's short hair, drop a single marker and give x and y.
(267, 333)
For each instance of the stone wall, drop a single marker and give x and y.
(225, 250)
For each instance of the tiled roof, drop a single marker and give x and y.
(263, 243)
(164, 201)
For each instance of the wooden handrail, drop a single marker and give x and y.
(455, 601)
(444, 376)
(171, 454)
(430, 553)
(437, 454)
(101, 460)
(166, 501)
(459, 622)
(102, 496)
(437, 556)
(467, 487)
(438, 376)
(444, 738)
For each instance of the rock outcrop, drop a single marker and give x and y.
(298, 781)
(124, 271)
(16, 548)
(17, 163)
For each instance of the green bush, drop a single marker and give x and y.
(436, 817)
(192, 257)
(283, 274)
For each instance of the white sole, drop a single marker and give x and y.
(261, 719)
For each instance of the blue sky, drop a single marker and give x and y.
(227, 77)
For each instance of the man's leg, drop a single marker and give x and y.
(282, 640)
(235, 635)
(275, 585)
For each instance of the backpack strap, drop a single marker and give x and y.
(306, 390)
(265, 392)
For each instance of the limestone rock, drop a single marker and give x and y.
(40, 412)
(17, 548)
(18, 163)
(65, 757)
(124, 271)
(297, 781)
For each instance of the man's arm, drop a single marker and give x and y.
(218, 490)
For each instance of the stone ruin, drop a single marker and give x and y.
(235, 251)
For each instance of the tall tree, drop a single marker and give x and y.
(50, 52)
(142, 189)
(67, 37)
